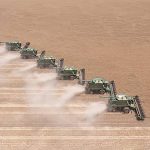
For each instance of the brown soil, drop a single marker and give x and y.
(111, 39)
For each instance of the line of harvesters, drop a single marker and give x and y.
(116, 102)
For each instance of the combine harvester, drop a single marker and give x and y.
(28, 53)
(124, 103)
(15, 46)
(12, 46)
(68, 73)
(46, 62)
(97, 86)
(94, 86)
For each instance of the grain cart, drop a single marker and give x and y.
(28, 53)
(12, 46)
(46, 62)
(67, 73)
(124, 103)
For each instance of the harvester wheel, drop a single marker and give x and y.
(71, 77)
(87, 91)
(126, 110)
(61, 78)
(40, 66)
(113, 109)
(92, 92)
(102, 92)
(109, 109)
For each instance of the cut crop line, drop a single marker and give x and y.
(50, 113)
(21, 89)
(30, 93)
(37, 106)
(73, 128)
(74, 137)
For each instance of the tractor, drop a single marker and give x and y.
(12, 46)
(68, 73)
(124, 103)
(28, 53)
(46, 62)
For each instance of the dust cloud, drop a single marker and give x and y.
(93, 110)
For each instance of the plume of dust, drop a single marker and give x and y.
(43, 83)
(2, 49)
(8, 57)
(93, 110)
(5, 59)
(49, 95)
(46, 85)
(23, 70)
(69, 93)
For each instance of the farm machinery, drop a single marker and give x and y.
(68, 73)
(124, 103)
(94, 86)
(12, 46)
(97, 86)
(46, 62)
(28, 53)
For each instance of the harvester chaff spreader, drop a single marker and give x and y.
(12, 46)
(124, 103)
(45, 61)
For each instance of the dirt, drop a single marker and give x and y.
(110, 39)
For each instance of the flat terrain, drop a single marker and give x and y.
(110, 39)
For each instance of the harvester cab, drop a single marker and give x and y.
(124, 103)
(67, 73)
(45, 61)
(28, 53)
(12, 46)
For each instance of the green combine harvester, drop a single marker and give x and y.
(94, 86)
(28, 53)
(46, 62)
(97, 86)
(12, 46)
(124, 103)
(67, 73)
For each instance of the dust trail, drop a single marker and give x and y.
(49, 95)
(69, 93)
(2, 49)
(44, 81)
(28, 68)
(8, 57)
(23, 70)
(93, 110)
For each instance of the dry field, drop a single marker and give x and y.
(110, 38)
